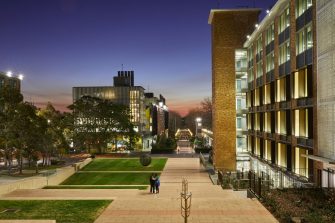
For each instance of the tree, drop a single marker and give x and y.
(58, 129)
(175, 122)
(98, 122)
(206, 110)
(9, 100)
(28, 130)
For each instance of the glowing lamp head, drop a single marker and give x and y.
(20, 76)
(9, 74)
(198, 119)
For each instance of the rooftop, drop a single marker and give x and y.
(268, 19)
(211, 14)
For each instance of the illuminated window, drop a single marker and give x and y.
(270, 62)
(259, 46)
(284, 20)
(270, 34)
(250, 74)
(304, 39)
(259, 69)
(284, 52)
(301, 6)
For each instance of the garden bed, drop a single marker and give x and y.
(311, 205)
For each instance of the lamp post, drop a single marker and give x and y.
(197, 124)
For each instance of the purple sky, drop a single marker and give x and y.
(58, 44)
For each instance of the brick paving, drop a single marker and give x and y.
(210, 204)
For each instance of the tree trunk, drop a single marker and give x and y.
(9, 168)
(21, 163)
(36, 169)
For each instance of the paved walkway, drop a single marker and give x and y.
(210, 204)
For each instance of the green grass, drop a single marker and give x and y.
(105, 178)
(157, 164)
(65, 211)
(95, 187)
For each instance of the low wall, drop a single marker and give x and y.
(56, 178)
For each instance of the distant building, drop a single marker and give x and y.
(149, 113)
(7, 80)
(123, 92)
(157, 118)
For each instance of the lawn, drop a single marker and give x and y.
(95, 187)
(108, 178)
(157, 164)
(71, 211)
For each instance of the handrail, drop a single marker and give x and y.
(202, 160)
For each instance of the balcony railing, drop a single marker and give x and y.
(251, 63)
(270, 107)
(270, 135)
(305, 142)
(259, 81)
(269, 48)
(304, 102)
(251, 85)
(259, 133)
(284, 138)
(251, 131)
(241, 111)
(270, 76)
(285, 68)
(283, 36)
(284, 105)
(259, 108)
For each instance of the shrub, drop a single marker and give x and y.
(57, 162)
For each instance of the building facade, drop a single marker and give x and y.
(226, 38)
(325, 35)
(149, 114)
(242, 155)
(282, 102)
(290, 105)
(123, 92)
(7, 80)
(157, 119)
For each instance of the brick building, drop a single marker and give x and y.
(226, 38)
(290, 96)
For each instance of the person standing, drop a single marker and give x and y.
(152, 183)
(157, 184)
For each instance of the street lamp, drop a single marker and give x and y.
(9, 74)
(20, 77)
(197, 124)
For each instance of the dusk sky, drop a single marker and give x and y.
(58, 44)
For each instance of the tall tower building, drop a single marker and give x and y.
(229, 30)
